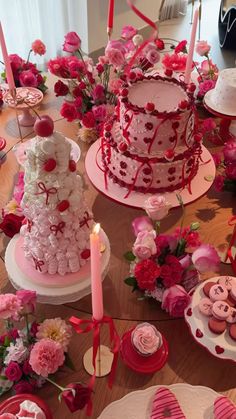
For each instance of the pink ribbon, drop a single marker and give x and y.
(49, 191)
(55, 228)
(85, 220)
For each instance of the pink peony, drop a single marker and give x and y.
(46, 357)
(99, 112)
(202, 48)
(229, 151)
(230, 171)
(157, 207)
(128, 32)
(28, 300)
(38, 47)
(10, 306)
(217, 159)
(208, 125)
(23, 387)
(175, 300)
(72, 42)
(205, 86)
(153, 56)
(116, 57)
(206, 259)
(145, 246)
(115, 85)
(98, 93)
(141, 224)
(13, 371)
(28, 78)
(219, 183)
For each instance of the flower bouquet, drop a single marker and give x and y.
(226, 166)
(30, 351)
(25, 73)
(167, 266)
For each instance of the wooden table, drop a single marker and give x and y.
(187, 362)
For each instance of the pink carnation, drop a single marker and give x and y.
(10, 306)
(175, 300)
(28, 300)
(23, 387)
(16, 62)
(38, 47)
(202, 48)
(28, 78)
(98, 93)
(116, 57)
(69, 111)
(99, 112)
(175, 62)
(206, 259)
(46, 357)
(115, 85)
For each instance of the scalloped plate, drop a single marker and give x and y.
(137, 405)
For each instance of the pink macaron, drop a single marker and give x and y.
(233, 292)
(232, 316)
(205, 306)
(218, 293)
(221, 310)
(227, 281)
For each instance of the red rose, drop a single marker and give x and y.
(13, 371)
(160, 44)
(77, 92)
(146, 272)
(88, 120)
(60, 88)
(181, 47)
(69, 111)
(77, 399)
(11, 224)
(171, 271)
(23, 387)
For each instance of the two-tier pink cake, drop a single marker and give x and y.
(151, 144)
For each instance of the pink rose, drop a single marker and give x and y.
(207, 66)
(38, 47)
(128, 32)
(145, 246)
(206, 258)
(13, 371)
(157, 207)
(229, 151)
(115, 85)
(99, 112)
(46, 357)
(219, 183)
(153, 56)
(205, 86)
(72, 42)
(202, 48)
(28, 78)
(28, 300)
(129, 46)
(116, 58)
(10, 306)
(141, 224)
(98, 93)
(175, 300)
(230, 171)
(185, 261)
(23, 387)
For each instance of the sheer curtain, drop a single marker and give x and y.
(172, 8)
(24, 21)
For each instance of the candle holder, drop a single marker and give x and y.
(25, 99)
(103, 361)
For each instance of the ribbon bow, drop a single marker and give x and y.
(85, 220)
(55, 228)
(49, 191)
(38, 264)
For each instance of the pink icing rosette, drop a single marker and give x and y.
(146, 339)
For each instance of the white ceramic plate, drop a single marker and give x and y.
(137, 405)
(222, 346)
(19, 150)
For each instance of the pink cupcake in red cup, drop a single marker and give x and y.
(146, 339)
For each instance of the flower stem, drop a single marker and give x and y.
(28, 56)
(55, 384)
(27, 327)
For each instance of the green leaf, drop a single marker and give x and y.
(7, 341)
(180, 200)
(131, 281)
(69, 363)
(194, 226)
(129, 256)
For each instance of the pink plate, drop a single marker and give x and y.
(139, 363)
(222, 346)
(12, 404)
(199, 185)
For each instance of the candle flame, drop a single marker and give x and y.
(96, 228)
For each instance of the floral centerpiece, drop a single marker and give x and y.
(90, 95)
(25, 73)
(31, 351)
(226, 166)
(167, 266)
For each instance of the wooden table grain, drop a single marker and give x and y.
(187, 362)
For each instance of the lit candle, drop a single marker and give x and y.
(96, 273)
(9, 74)
(110, 17)
(189, 61)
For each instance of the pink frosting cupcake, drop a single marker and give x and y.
(146, 339)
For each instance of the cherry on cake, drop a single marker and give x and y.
(151, 144)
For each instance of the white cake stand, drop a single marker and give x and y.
(199, 185)
(54, 295)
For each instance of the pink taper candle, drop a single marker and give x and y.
(9, 74)
(189, 61)
(96, 274)
(110, 17)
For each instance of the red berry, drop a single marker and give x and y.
(168, 72)
(85, 254)
(82, 85)
(72, 165)
(49, 165)
(183, 104)
(63, 205)
(122, 147)
(198, 137)
(44, 126)
(169, 154)
(107, 127)
(124, 92)
(150, 106)
(191, 87)
(132, 75)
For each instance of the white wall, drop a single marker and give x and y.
(97, 19)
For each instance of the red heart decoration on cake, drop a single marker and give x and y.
(172, 139)
(219, 350)
(165, 405)
(171, 179)
(172, 170)
(224, 408)
(147, 140)
(146, 180)
(189, 312)
(199, 334)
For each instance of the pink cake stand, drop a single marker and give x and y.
(51, 289)
(26, 98)
(199, 185)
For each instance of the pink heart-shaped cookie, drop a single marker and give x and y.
(224, 408)
(219, 350)
(165, 405)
